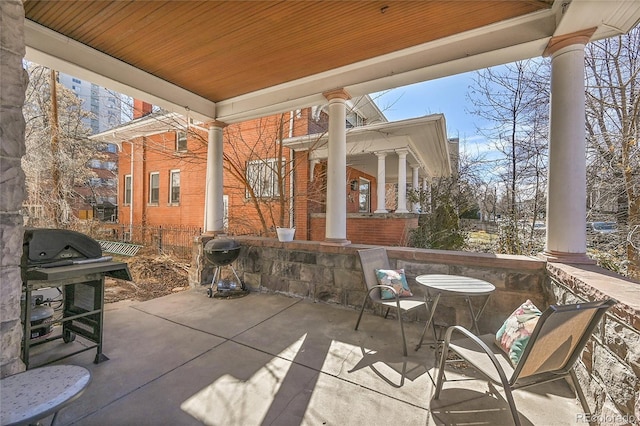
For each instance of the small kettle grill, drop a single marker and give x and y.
(221, 252)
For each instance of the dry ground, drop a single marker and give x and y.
(153, 275)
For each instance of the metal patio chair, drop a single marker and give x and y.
(555, 344)
(376, 258)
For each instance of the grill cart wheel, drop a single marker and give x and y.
(68, 336)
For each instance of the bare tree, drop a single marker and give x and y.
(514, 99)
(57, 147)
(613, 126)
(440, 227)
(262, 169)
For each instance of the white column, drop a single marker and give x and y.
(336, 217)
(214, 188)
(402, 181)
(381, 183)
(567, 185)
(415, 186)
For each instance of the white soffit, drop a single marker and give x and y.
(144, 126)
(611, 18)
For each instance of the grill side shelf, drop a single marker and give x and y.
(113, 269)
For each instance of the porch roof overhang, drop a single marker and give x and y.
(146, 126)
(425, 139)
(234, 61)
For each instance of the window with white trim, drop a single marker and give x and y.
(127, 189)
(181, 141)
(174, 186)
(154, 187)
(262, 177)
(354, 120)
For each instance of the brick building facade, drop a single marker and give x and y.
(162, 169)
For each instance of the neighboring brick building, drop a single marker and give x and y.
(162, 169)
(98, 197)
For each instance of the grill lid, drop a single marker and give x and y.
(220, 245)
(221, 251)
(42, 245)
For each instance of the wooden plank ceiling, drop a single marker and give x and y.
(223, 49)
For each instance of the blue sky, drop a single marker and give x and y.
(445, 95)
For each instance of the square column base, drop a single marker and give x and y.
(562, 257)
(335, 242)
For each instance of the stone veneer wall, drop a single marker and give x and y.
(12, 148)
(610, 365)
(332, 274)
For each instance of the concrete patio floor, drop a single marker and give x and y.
(263, 359)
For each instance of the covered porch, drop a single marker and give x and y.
(384, 162)
(318, 55)
(404, 44)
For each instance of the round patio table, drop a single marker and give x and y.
(35, 394)
(438, 285)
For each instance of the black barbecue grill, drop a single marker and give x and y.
(73, 263)
(222, 252)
